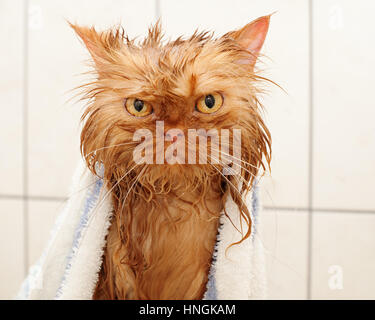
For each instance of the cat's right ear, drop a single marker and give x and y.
(251, 38)
(101, 45)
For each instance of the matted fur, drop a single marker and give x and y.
(166, 216)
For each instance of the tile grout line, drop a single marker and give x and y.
(310, 151)
(25, 136)
(157, 9)
(266, 208)
(320, 210)
(34, 198)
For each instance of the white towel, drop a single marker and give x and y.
(69, 265)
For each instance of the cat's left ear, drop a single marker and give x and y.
(251, 37)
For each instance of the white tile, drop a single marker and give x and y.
(11, 96)
(42, 216)
(284, 235)
(344, 148)
(11, 248)
(56, 60)
(343, 256)
(287, 48)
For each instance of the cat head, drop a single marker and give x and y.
(200, 82)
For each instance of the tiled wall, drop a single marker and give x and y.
(319, 217)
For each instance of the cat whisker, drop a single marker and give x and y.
(235, 189)
(239, 176)
(130, 189)
(102, 201)
(82, 189)
(135, 181)
(221, 172)
(221, 163)
(239, 159)
(239, 165)
(109, 192)
(107, 147)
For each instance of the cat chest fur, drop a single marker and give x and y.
(160, 249)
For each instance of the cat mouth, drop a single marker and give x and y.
(174, 159)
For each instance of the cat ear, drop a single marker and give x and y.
(101, 45)
(251, 37)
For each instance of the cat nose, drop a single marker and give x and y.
(173, 135)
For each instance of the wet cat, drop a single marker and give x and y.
(166, 213)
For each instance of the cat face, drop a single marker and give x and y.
(188, 84)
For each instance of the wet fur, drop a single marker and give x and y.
(165, 217)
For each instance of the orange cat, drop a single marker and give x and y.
(165, 218)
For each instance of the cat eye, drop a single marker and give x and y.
(210, 103)
(137, 107)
